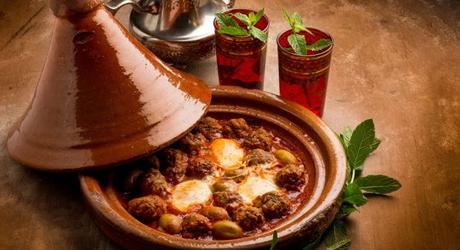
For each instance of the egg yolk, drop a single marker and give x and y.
(228, 153)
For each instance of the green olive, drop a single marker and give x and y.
(170, 223)
(215, 213)
(226, 229)
(285, 156)
(227, 185)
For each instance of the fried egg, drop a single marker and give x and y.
(228, 153)
(189, 193)
(254, 186)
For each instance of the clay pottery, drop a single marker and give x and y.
(102, 98)
(291, 122)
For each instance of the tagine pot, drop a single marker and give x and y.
(102, 98)
(289, 121)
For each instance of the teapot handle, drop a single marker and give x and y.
(151, 7)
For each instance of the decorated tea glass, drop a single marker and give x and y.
(303, 78)
(241, 59)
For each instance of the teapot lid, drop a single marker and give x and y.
(102, 98)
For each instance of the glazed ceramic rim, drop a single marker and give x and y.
(314, 56)
(106, 214)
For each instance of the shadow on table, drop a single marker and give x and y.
(44, 211)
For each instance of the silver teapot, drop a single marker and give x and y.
(177, 31)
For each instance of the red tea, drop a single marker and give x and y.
(241, 59)
(303, 78)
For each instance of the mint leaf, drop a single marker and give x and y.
(346, 136)
(375, 144)
(251, 17)
(298, 24)
(377, 184)
(259, 34)
(257, 16)
(361, 142)
(234, 31)
(345, 210)
(336, 237)
(295, 21)
(319, 45)
(225, 20)
(312, 245)
(286, 15)
(298, 44)
(243, 18)
(274, 240)
(353, 195)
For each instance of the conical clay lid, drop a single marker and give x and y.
(102, 98)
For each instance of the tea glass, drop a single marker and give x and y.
(241, 59)
(303, 78)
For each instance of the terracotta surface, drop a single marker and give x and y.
(315, 143)
(395, 61)
(102, 98)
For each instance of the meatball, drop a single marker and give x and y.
(192, 143)
(200, 167)
(147, 208)
(236, 128)
(259, 138)
(210, 128)
(273, 204)
(176, 163)
(228, 200)
(195, 225)
(259, 156)
(248, 217)
(290, 177)
(153, 182)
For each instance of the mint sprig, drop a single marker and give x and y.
(297, 41)
(228, 26)
(274, 240)
(358, 144)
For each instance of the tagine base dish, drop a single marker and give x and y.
(304, 131)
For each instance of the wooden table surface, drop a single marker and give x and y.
(397, 62)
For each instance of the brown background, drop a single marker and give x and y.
(395, 61)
